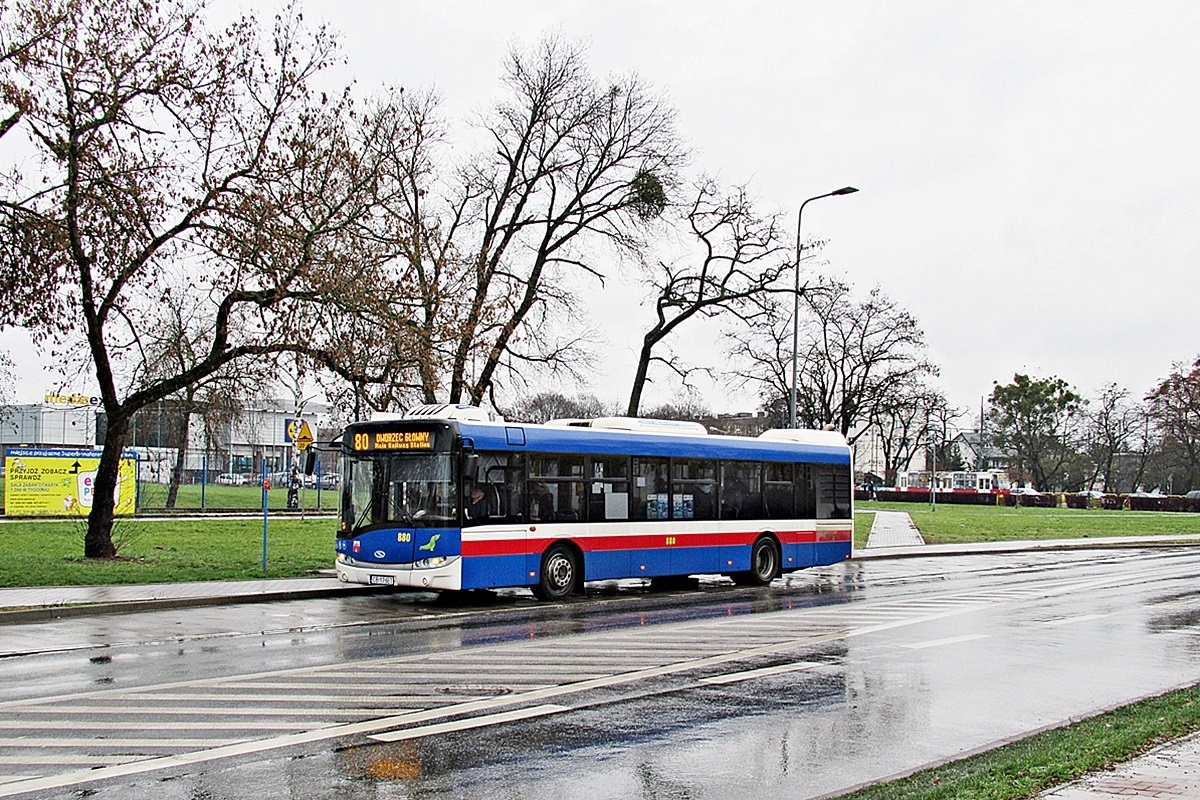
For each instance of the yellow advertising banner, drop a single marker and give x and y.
(50, 482)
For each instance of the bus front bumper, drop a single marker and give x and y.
(442, 576)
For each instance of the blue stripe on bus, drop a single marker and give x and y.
(832, 552)
(487, 572)
(602, 442)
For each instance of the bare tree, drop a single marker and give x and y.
(574, 158)
(1110, 429)
(941, 419)
(1174, 408)
(573, 166)
(854, 356)
(687, 405)
(554, 405)
(172, 157)
(900, 422)
(7, 378)
(732, 273)
(175, 341)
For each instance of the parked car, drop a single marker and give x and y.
(1024, 490)
(1095, 494)
(330, 480)
(1194, 494)
(231, 479)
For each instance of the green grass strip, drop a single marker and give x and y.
(36, 553)
(957, 524)
(1051, 758)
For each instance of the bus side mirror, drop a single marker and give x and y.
(310, 461)
(471, 466)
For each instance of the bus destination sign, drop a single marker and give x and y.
(394, 440)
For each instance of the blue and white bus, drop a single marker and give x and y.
(445, 499)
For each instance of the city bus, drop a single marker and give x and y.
(444, 498)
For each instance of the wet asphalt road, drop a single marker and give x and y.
(831, 678)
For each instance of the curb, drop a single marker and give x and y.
(51, 613)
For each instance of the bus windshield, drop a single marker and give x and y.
(412, 490)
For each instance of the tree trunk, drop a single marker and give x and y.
(643, 369)
(98, 543)
(639, 383)
(177, 471)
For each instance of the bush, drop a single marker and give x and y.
(1112, 502)
(957, 497)
(1077, 501)
(1145, 503)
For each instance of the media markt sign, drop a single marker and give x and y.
(52, 482)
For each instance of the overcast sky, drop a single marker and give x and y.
(1028, 172)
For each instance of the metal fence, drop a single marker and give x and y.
(216, 482)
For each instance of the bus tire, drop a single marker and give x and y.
(560, 573)
(764, 564)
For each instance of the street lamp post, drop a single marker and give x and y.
(796, 299)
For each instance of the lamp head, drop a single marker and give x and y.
(845, 190)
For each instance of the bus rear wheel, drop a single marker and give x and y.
(764, 564)
(560, 573)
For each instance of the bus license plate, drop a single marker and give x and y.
(382, 580)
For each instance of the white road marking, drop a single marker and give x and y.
(735, 677)
(38, 758)
(941, 642)
(473, 722)
(315, 713)
(108, 744)
(146, 725)
(1072, 620)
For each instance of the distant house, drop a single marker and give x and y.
(967, 445)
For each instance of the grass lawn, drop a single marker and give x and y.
(1031, 765)
(153, 496)
(863, 520)
(154, 551)
(954, 524)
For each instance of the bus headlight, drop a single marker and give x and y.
(431, 563)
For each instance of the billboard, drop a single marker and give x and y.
(54, 482)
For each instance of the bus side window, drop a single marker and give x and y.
(514, 488)
(833, 491)
(779, 494)
(492, 484)
(693, 488)
(651, 490)
(806, 492)
(741, 489)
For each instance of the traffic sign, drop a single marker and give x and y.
(304, 438)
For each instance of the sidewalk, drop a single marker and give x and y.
(50, 602)
(893, 529)
(1172, 770)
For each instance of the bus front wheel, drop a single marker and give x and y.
(764, 564)
(560, 573)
